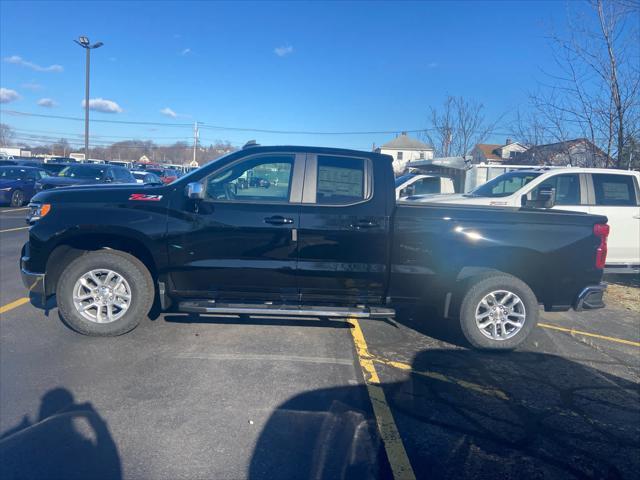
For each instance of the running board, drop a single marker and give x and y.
(210, 306)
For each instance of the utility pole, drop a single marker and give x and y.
(195, 140)
(84, 43)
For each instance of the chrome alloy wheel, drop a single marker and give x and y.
(102, 296)
(500, 315)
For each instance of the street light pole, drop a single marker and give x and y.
(84, 43)
(86, 105)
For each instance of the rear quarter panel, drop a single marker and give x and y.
(437, 246)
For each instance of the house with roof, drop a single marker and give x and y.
(495, 153)
(579, 152)
(404, 150)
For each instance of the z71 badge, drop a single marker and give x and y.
(145, 198)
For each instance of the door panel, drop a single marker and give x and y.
(616, 197)
(238, 243)
(344, 233)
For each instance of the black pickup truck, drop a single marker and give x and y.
(305, 231)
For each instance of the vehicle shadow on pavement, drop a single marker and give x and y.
(250, 320)
(68, 440)
(427, 321)
(463, 413)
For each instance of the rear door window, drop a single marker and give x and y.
(614, 190)
(428, 185)
(567, 189)
(341, 180)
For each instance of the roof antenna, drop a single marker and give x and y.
(250, 143)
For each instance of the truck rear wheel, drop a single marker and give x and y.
(104, 293)
(498, 312)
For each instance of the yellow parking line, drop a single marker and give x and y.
(13, 229)
(397, 455)
(14, 304)
(443, 378)
(587, 334)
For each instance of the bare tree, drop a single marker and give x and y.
(596, 90)
(457, 126)
(6, 134)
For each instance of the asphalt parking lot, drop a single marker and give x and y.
(230, 398)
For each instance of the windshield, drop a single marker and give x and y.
(190, 175)
(504, 185)
(13, 173)
(82, 171)
(403, 178)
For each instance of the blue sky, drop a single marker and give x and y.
(324, 66)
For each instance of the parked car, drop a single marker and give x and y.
(54, 168)
(259, 182)
(83, 174)
(420, 184)
(19, 183)
(21, 161)
(142, 176)
(614, 193)
(167, 175)
(331, 243)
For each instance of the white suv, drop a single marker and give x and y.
(614, 193)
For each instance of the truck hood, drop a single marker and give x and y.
(55, 182)
(100, 193)
(458, 198)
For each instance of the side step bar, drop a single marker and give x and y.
(210, 306)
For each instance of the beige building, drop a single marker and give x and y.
(404, 150)
(494, 153)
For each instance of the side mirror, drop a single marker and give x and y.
(194, 191)
(546, 198)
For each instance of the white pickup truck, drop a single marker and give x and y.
(614, 193)
(421, 184)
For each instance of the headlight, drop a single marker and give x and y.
(37, 211)
(6, 189)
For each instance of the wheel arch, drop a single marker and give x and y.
(74, 246)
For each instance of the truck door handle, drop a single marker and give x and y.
(278, 220)
(363, 224)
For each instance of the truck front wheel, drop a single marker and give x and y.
(104, 293)
(498, 312)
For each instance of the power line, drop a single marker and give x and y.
(205, 125)
(151, 137)
(99, 120)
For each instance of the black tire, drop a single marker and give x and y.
(128, 267)
(17, 198)
(482, 286)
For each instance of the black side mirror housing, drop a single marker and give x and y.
(194, 191)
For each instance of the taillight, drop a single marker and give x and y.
(601, 230)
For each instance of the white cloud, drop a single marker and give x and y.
(16, 60)
(186, 51)
(168, 112)
(7, 95)
(283, 50)
(102, 105)
(47, 103)
(31, 86)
